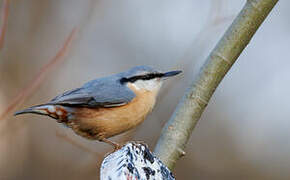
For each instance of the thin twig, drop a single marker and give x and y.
(178, 129)
(39, 77)
(4, 20)
(77, 144)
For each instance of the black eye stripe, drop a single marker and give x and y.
(141, 77)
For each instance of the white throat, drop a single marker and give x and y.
(149, 85)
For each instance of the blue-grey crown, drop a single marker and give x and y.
(132, 75)
(140, 69)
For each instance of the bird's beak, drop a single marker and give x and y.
(171, 73)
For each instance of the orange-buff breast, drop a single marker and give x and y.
(97, 123)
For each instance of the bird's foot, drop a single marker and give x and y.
(115, 145)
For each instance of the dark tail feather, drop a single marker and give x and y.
(39, 109)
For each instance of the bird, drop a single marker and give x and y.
(106, 106)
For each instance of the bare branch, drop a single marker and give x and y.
(178, 129)
(38, 78)
(215, 18)
(4, 20)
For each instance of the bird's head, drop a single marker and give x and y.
(146, 78)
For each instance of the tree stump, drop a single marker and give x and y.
(134, 161)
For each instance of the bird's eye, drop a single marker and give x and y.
(123, 80)
(141, 77)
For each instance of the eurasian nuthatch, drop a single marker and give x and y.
(107, 106)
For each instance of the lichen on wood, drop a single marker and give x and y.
(134, 161)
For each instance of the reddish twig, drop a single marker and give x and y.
(4, 20)
(38, 79)
(77, 144)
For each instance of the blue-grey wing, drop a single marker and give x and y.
(97, 93)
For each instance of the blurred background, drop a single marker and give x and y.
(243, 134)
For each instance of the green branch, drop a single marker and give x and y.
(178, 129)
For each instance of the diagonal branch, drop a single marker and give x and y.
(175, 134)
(4, 20)
(38, 79)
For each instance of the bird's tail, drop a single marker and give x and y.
(53, 111)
